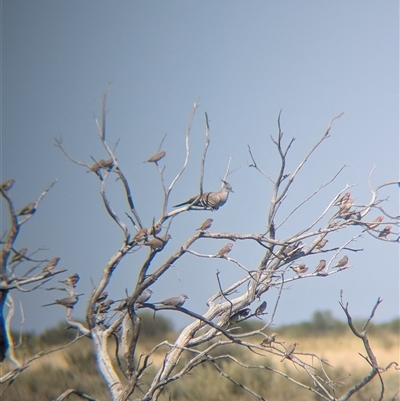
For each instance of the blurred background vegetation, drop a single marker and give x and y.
(75, 366)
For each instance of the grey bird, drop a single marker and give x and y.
(206, 225)
(289, 351)
(269, 340)
(5, 186)
(18, 255)
(321, 266)
(68, 302)
(51, 264)
(294, 249)
(141, 235)
(102, 297)
(144, 296)
(210, 200)
(30, 208)
(321, 244)
(158, 243)
(156, 158)
(224, 250)
(342, 262)
(300, 269)
(239, 315)
(261, 308)
(174, 301)
(71, 280)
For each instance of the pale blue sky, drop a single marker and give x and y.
(245, 61)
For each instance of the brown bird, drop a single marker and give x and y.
(224, 250)
(261, 308)
(68, 302)
(156, 158)
(141, 235)
(30, 208)
(71, 280)
(155, 229)
(174, 301)
(342, 262)
(105, 306)
(269, 340)
(5, 186)
(385, 232)
(206, 225)
(51, 264)
(300, 269)
(157, 243)
(96, 166)
(289, 351)
(321, 244)
(239, 315)
(18, 255)
(375, 223)
(102, 297)
(343, 199)
(321, 266)
(345, 207)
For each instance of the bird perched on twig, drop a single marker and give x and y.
(343, 199)
(141, 235)
(205, 225)
(102, 297)
(209, 200)
(68, 302)
(345, 207)
(289, 351)
(5, 186)
(158, 243)
(375, 223)
(239, 315)
(51, 264)
(300, 269)
(30, 208)
(321, 266)
(71, 280)
(105, 306)
(385, 232)
(174, 301)
(321, 244)
(224, 250)
(96, 166)
(261, 308)
(342, 262)
(144, 296)
(293, 250)
(155, 229)
(156, 158)
(18, 255)
(269, 340)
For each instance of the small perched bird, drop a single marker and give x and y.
(209, 200)
(155, 229)
(102, 297)
(141, 235)
(321, 244)
(18, 255)
(5, 186)
(289, 351)
(105, 306)
(30, 208)
(343, 199)
(385, 232)
(71, 280)
(321, 266)
(300, 269)
(239, 315)
(156, 158)
(158, 243)
(375, 223)
(205, 226)
(174, 301)
(345, 207)
(224, 250)
(261, 308)
(51, 264)
(144, 296)
(68, 302)
(269, 340)
(292, 250)
(342, 262)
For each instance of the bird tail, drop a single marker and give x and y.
(53, 303)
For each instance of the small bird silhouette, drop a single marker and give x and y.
(345, 207)
(321, 244)
(68, 302)
(385, 232)
(71, 280)
(206, 225)
(18, 255)
(321, 266)
(102, 297)
(289, 351)
(239, 315)
(174, 301)
(144, 296)
(155, 229)
(300, 269)
(224, 250)
(5, 186)
(156, 158)
(96, 166)
(342, 262)
(30, 208)
(375, 223)
(269, 340)
(261, 308)
(105, 306)
(343, 199)
(141, 235)
(158, 243)
(51, 264)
